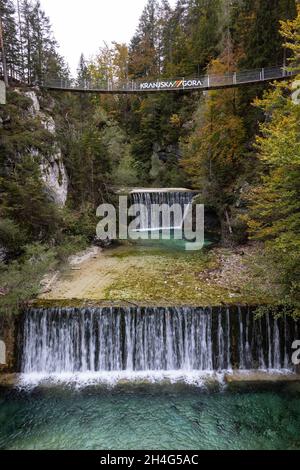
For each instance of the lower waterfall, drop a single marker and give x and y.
(149, 340)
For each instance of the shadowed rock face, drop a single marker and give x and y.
(53, 171)
(3, 253)
(55, 178)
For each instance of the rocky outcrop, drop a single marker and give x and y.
(3, 253)
(55, 178)
(164, 153)
(8, 343)
(53, 170)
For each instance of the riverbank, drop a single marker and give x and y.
(152, 275)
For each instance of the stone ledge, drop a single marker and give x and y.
(260, 377)
(251, 378)
(84, 303)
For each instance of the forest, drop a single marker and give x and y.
(240, 148)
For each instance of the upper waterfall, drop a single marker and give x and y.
(151, 198)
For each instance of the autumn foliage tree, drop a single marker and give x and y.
(213, 154)
(274, 213)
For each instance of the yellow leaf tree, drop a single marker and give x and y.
(274, 214)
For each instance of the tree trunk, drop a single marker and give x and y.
(3, 53)
(228, 222)
(226, 229)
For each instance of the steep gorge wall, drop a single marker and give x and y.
(53, 170)
(28, 129)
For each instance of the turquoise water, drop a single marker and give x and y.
(149, 418)
(173, 240)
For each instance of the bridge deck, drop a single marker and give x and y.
(205, 83)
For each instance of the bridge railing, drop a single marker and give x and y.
(206, 82)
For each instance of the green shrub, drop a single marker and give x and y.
(20, 280)
(12, 238)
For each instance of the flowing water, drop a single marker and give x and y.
(153, 229)
(60, 403)
(150, 201)
(130, 343)
(151, 418)
(154, 374)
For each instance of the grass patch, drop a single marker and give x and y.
(173, 278)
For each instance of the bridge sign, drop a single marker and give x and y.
(2, 92)
(172, 84)
(207, 82)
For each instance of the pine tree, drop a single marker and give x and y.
(41, 58)
(144, 59)
(10, 37)
(176, 49)
(82, 70)
(255, 27)
(203, 33)
(24, 200)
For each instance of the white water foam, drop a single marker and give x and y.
(203, 379)
(109, 346)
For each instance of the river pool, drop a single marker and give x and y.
(152, 417)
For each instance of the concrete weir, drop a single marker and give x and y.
(131, 191)
(162, 190)
(141, 343)
(231, 381)
(164, 343)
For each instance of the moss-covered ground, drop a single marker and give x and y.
(149, 275)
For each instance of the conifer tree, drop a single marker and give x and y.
(82, 70)
(255, 26)
(41, 58)
(143, 55)
(10, 37)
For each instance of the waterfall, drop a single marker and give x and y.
(241, 341)
(220, 343)
(269, 339)
(148, 217)
(228, 339)
(261, 358)
(248, 354)
(57, 341)
(286, 336)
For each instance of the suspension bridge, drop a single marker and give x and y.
(204, 83)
